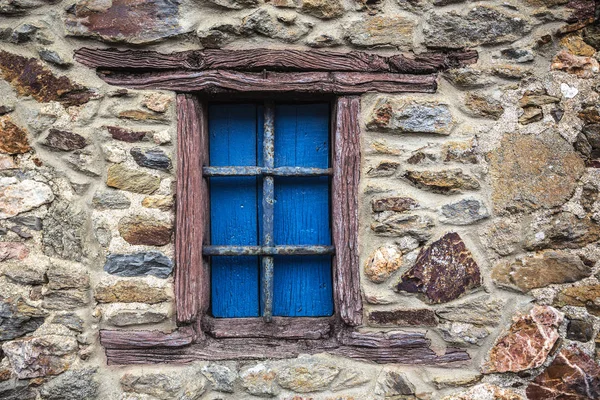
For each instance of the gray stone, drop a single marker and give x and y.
(392, 383)
(153, 158)
(148, 263)
(29, 221)
(349, 379)
(463, 333)
(519, 55)
(113, 21)
(285, 27)
(480, 26)
(389, 223)
(464, 212)
(135, 313)
(110, 200)
(181, 385)
(482, 310)
(17, 318)
(79, 384)
(260, 380)
(88, 162)
(307, 377)
(39, 356)
(235, 4)
(22, 233)
(20, 196)
(468, 78)
(16, 390)
(29, 272)
(221, 377)
(64, 231)
(380, 31)
(22, 7)
(53, 57)
(65, 299)
(410, 116)
(23, 33)
(68, 276)
(70, 320)
(563, 230)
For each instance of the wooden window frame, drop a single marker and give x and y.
(200, 75)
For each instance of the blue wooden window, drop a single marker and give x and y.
(269, 175)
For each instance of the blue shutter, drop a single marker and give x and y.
(302, 284)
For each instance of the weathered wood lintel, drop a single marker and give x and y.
(216, 81)
(138, 347)
(274, 60)
(279, 327)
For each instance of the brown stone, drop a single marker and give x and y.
(13, 139)
(375, 31)
(399, 224)
(545, 268)
(463, 152)
(580, 296)
(573, 375)
(163, 203)
(445, 182)
(138, 115)
(403, 317)
(485, 391)
(131, 21)
(145, 231)
(561, 231)
(590, 114)
(530, 115)
(13, 251)
(528, 342)
(130, 291)
(382, 263)
(483, 105)
(325, 9)
(121, 177)
(583, 67)
(30, 77)
(529, 172)
(399, 204)
(64, 140)
(157, 102)
(125, 135)
(384, 168)
(574, 44)
(535, 98)
(443, 272)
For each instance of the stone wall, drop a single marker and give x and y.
(479, 208)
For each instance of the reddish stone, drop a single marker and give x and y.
(12, 251)
(145, 231)
(65, 141)
(405, 317)
(528, 342)
(131, 21)
(30, 77)
(13, 140)
(573, 375)
(399, 204)
(443, 272)
(125, 135)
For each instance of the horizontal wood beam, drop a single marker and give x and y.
(274, 60)
(147, 339)
(279, 327)
(216, 81)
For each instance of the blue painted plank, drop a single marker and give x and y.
(234, 204)
(302, 284)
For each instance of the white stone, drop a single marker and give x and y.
(568, 91)
(17, 197)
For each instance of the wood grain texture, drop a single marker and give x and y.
(279, 327)
(146, 339)
(346, 177)
(405, 351)
(191, 276)
(274, 60)
(216, 81)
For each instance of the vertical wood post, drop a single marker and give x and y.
(346, 175)
(191, 275)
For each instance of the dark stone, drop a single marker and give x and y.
(154, 158)
(19, 231)
(573, 375)
(557, 113)
(53, 57)
(149, 263)
(6, 108)
(393, 384)
(16, 390)
(130, 21)
(23, 33)
(17, 319)
(580, 330)
(78, 384)
(519, 55)
(31, 222)
(65, 141)
(406, 317)
(400, 204)
(443, 272)
(30, 77)
(125, 135)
